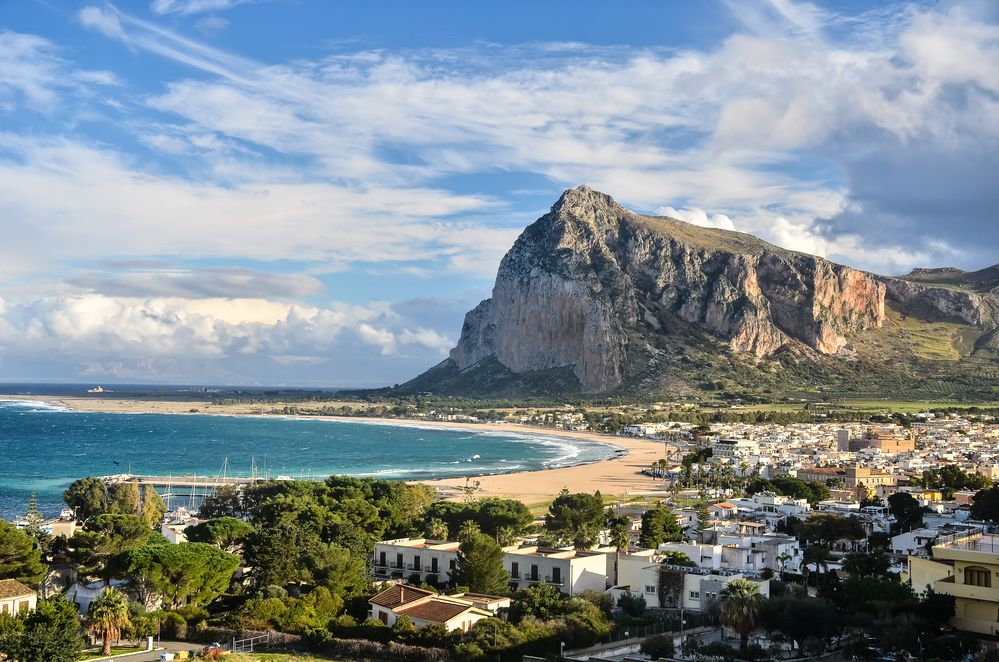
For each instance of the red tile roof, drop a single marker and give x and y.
(434, 611)
(11, 588)
(399, 595)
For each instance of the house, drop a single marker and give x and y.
(16, 597)
(671, 586)
(455, 612)
(966, 567)
(417, 560)
(570, 571)
(173, 525)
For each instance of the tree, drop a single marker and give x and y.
(867, 564)
(276, 553)
(907, 511)
(814, 555)
(225, 533)
(740, 602)
(87, 497)
(659, 525)
(107, 616)
(436, 529)
(799, 618)
(186, 574)
(677, 558)
(480, 565)
(658, 646)
(702, 516)
(338, 570)
(503, 518)
(123, 498)
(632, 605)
(541, 601)
(34, 519)
(620, 538)
(49, 633)
(153, 508)
(18, 557)
(576, 518)
(226, 501)
(107, 535)
(985, 505)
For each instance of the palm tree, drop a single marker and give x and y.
(814, 555)
(620, 538)
(107, 615)
(740, 602)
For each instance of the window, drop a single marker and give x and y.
(977, 576)
(433, 565)
(695, 595)
(416, 562)
(515, 570)
(381, 559)
(534, 572)
(556, 575)
(650, 589)
(398, 560)
(452, 564)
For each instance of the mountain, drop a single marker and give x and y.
(593, 298)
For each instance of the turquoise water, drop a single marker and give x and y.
(44, 448)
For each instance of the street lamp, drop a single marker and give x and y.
(561, 649)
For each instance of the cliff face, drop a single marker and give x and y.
(590, 278)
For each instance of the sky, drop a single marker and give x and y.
(288, 192)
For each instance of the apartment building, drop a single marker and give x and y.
(674, 587)
(416, 560)
(571, 571)
(966, 567)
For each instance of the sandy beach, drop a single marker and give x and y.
(619, 476)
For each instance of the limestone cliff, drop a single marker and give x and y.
(587, 281)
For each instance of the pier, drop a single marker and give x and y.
(193, 488)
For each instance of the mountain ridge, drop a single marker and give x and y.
(624, 301)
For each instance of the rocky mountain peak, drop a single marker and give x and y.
(587, 281)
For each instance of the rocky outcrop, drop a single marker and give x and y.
(941, 302)
(590, 278)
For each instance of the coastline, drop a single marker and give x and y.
(616, 476)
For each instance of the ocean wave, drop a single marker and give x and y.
(34, 406)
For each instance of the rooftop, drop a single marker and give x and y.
(11, 588)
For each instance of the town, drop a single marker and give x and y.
(883, 534)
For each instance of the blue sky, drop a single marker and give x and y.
(295, 192)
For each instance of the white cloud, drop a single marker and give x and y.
(698, 216)
(193, 6)
(92, 327)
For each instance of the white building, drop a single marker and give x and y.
(455, 612)
(16, 597)
(570, 571)
(734, 449)
(416, 560)
(673, 587)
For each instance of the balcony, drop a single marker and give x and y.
(532, 578)
(948, 586)
(515, 575)
(558, 581)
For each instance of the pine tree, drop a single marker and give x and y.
(480, 565)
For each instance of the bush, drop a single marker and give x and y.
(658, 646)
(632, 605)
(173, 626)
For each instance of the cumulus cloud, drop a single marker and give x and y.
(858, 137)
(698, 216)
(97, 330)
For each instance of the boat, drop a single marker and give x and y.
(98, 389)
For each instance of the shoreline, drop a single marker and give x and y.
(618, 475)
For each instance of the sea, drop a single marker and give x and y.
(45, 447)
